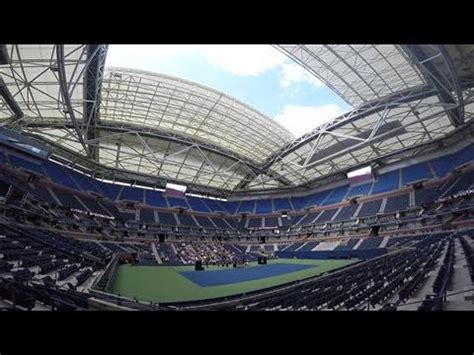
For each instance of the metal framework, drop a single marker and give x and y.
(136, 126)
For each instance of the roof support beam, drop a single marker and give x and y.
(10, 101)
(432, 64)
(96, 55)
(65, 95)
(4, 57)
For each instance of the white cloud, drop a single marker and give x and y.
(301, 119)
(292, 73)
(243, 59)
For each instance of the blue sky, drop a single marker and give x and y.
(258, 75)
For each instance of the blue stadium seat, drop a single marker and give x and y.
(59, 174)
(255, 223)
(68, 200)
(26, 164)
(232, 206)
(264, 206)
(426, 195)
(360, 190)
(147, 215)
(112, 191)
(84, 182)
(317, 198)
(186, 220)
(220, 223)
(177, 202)
(336, 195)
(308, 219)
(416, 172)
(299, 203)
(247, 206)
(326, 215)
(271, 221)
(386, 182)
(197, 204)
(369, 208)
(155, 198)
(130, 193)
(443, 165)
(282, 204)
(346, 213)
(93, 205)
(464, 156)
(397, 203)
(349, 245)
(204, 221)
(215, 205)
(167, 218)
(371, 243)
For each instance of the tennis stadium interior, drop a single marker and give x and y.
(122, 189)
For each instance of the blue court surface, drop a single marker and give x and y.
(235, 275)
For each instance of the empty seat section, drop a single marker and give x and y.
(131, 194)
(359, 190)
(204, 221)
(299, 203)
(317, 198)
(308, 219)
(59, 175)
(294, 246)
(112, 191)
(247, 206)
(416, 172)
(271, 221)
(461, 183)
(426, 195)
(346, 213)
(44, 194)
(371, 243)
(231, 221)
(197, 204)
(443, 165)
(386, 182)
(26, 164)
(309, 246)
(111, 208)
(336, 195)
(232, 206)
(215, 205)
(177, 202)
(147, 215)
(186, 220)
(92, 205)
(347, 245)
(285, 221)
(396, 203)
(128, 216)
(369, 208)
(464, 156)
(220, 223)
(264, 206)
(282, 204)
(68, 200)
(326, 215)
(84, 182)
(255, 223)
(155, 198)
(167, 218)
